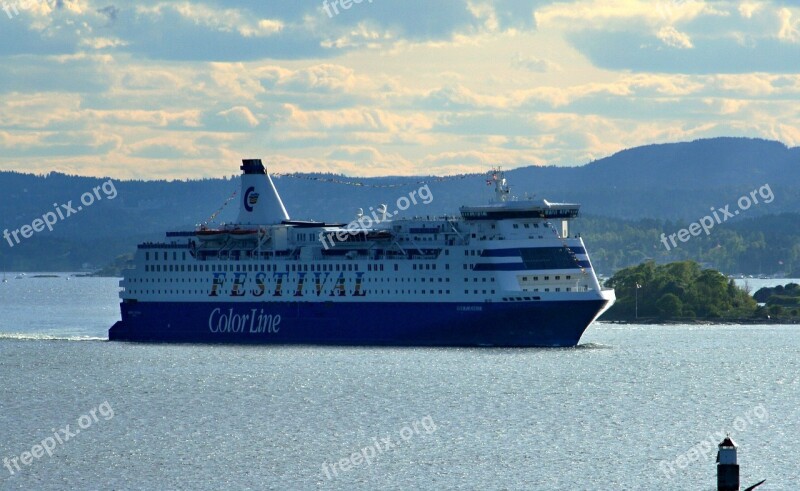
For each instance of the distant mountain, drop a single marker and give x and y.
(680, 181)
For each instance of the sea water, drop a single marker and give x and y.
(632, 407)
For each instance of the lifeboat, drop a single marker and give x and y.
(211, 234)
(243, 233)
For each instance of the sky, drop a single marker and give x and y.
(171, 90)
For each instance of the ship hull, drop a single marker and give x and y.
(506, 324)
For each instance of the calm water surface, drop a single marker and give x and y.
(603, 416)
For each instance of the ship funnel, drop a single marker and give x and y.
(260, 203)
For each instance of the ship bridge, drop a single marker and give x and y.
(521, 210)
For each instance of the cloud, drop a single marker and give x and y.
(237, 118)
(160, 88)
(533, 64)
(672, 38)
(789, 30)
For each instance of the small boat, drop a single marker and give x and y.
(211, 234)
(243, 233)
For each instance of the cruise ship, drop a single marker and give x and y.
(505, 273)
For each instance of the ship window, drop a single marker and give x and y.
(337, 267)
(516, 225)
(558, 277)
(174, 256)
(466, 252)
(547, 289)
(492, 292)
(558, 289)
(546, 278)
(568, 277)
(146, 256)
(447, 266)
(569, 289)
(475, 291)
(527, 226)
(428, 266)
(395, 267)
(535, 278)
(466, 291)
(184, 256)
(381, 267)
(165, 256)
(535, 225)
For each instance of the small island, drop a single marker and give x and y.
(682, 292)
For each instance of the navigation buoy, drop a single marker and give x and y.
(728, 467)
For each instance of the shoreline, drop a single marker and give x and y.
(702, 322)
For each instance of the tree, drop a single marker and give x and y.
(669, 306)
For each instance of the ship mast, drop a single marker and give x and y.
(501, 188)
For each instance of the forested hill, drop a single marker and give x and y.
(675, 182)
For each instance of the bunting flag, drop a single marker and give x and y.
(214, 215)
(366, 185)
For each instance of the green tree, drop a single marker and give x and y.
(669, 305)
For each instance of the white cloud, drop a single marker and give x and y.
(673, 38)
(789, 29)
(747, 9)
(239, 116)
(387, 88)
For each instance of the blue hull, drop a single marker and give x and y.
(512, 324)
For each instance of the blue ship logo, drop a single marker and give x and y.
(250, 198)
